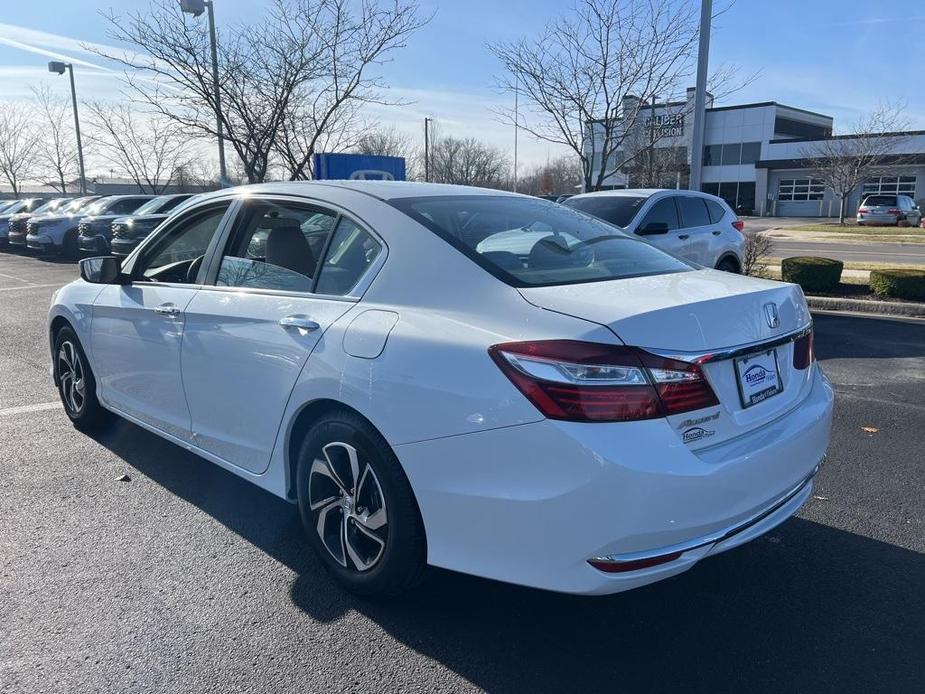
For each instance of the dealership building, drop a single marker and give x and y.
(755, 155)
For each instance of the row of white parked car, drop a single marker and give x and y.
(477, 380)
(91, 224)
(698, 227)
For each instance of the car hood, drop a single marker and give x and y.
(701, 310)
(141, 218)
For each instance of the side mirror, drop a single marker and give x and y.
(653, 228)
(105, 269)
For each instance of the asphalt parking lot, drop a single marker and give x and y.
(188, 579)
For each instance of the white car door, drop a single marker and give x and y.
(263, 310)
(137, 328)
(703, 244)
(660, 226)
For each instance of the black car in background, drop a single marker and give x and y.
(95, 230)
(128, 232)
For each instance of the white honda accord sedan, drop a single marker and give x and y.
(588, 414)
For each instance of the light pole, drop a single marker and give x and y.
(58, 67)
(196, 8)
(516, 123)
(427, 149)
(700, 96)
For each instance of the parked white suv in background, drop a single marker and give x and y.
(695, 226)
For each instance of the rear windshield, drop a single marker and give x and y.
(615, 209)
(881, 200)
(531, 242)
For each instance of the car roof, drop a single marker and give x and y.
(641, 193)
(382, 190)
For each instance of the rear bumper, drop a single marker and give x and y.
(879, 219)
(532, 504)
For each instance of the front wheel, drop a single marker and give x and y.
(358, 508)
(76, 384)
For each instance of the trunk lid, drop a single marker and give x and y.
(688, 314)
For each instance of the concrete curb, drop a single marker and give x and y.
(890, 308)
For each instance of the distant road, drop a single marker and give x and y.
(889, 253)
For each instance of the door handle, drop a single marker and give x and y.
(684, 236)
(167, 310)
(301, 322)
(717, 233)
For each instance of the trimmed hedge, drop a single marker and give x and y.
(901, 284)
(813, 274)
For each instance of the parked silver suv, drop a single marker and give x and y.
(887, 210)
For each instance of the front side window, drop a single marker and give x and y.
(176, 254)
(275, 246)
(531, 242)
(125, 205)
(663, 212)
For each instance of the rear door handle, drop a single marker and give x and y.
(301, 322)
(684, 236)
(167, 310)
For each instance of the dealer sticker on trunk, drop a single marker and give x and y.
(758, 377)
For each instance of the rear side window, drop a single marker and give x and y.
(350, 254)
(125, 206)
(693, 211)
(616, 209)
(716, 210)
(528, 242)
(881, 201)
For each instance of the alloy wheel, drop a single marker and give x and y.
(71, 378)
(346, 499)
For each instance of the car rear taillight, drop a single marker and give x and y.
(739, 225)
(804, 352)
(590, 382)
(613, 566)
(893, 210)
(863, 210)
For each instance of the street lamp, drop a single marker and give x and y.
(58, 67)
(196, 8)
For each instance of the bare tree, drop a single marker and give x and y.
(19, 144)
(389, 142)
(591, 73)
(467, 161)
(286, 80)
(147, 148)
(324, 113)
(557, 177)
(843, 162)
(57, 161)
(757, 247)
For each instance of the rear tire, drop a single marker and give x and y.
(728, 265)
(76, 384)
(358, 508)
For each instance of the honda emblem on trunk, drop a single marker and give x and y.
(770, 313)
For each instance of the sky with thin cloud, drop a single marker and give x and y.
(832, 56)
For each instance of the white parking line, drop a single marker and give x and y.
(22, 409)
(28, 286)
(13, 277)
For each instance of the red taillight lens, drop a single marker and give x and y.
(803, 351)
(681, 386)
(589, 382)
(863, 210)
(738, 225)
(893, 210)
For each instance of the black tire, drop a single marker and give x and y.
(69, 248)
(400, 563)
(728, 265)
(79, 399)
